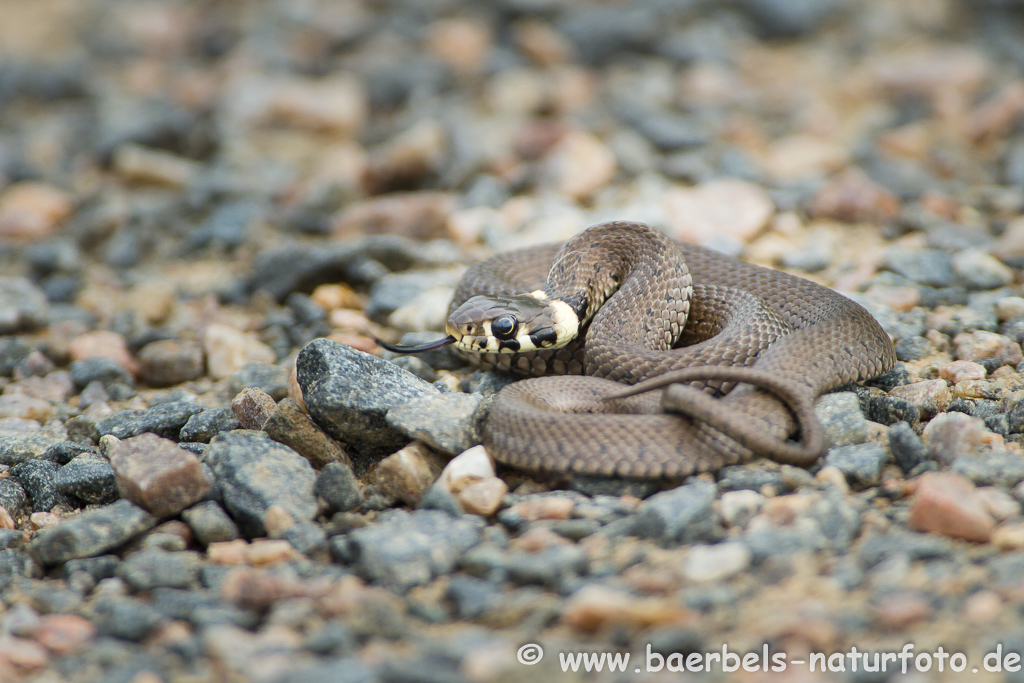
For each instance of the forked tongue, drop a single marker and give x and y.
(429, 346)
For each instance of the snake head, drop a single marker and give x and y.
(516, 324)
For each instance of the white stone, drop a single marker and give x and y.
(715, 562)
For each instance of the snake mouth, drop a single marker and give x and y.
(428, 346)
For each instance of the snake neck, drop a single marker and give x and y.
(608, 272)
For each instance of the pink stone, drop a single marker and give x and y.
(946, 503)
(158, 475)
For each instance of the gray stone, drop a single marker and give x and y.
(272, 379)
(13, 497)
(22, 440)
(203, 426)
(165, 420)
(841, 419)
(91, 533)
(682, 514)
(125, 618)
(38, 478)
(106, 371)
(548, 567)
(88, 478)
(338, 486)
(171, 361)
(925, 266)
(255, 472)
(349, 392)
(209, 523)
(908, 449)
(153, 568)
(406, 549)
(23, 306)
(448, 422)
(877, 547)
(913, 348)
(998, 468)
(861, 463)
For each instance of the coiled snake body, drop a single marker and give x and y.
(742, 352)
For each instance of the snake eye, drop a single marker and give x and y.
(504, 327)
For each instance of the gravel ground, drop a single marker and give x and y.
(208, 210)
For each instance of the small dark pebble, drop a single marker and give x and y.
(861, 463)
(165, 419)
(90, 533)
(338, 486)
(908, 449)
(37, 477)
(13, 497)
(88, 478)
(125, 618)
(106, 371)
(209, 523)
(207, 424)
(149, 569)
(680, 514)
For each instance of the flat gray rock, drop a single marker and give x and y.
(447, 422)
(255, 472)
(91, 533)
(349, 393)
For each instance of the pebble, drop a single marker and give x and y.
(406, 549)
(337, 485)
(146, 570)
(996, 468)
(929, 267)
(349, 393)
(579, 165)
(106, 371)
(712, 563)
(252, 408)
(683, 514)
(337, 104)
(273, 379)
(841, 418)
(209, 523)
(979, 270)
(853, 197)
(951, 435)
(19, 406)
(22, 305)
(27, 440)
(88, 478)
(981, 345)
(103, 344)
(469, 478)
(407, 474)
(738, 507)
(228, 350)
(205, 425)
(157, 475)
(13, 497)
(168, 362)
(408, 160)
(947, 503)
(254, 472)
(735, 208)
(907, 448)
(450, 423)
(287, 424)
(961, 370)
(91, 533)
(594, 608)
(929, 397)
(38, 479)
(861, 463)
(165, 420)
(139, 164)
(32, 211)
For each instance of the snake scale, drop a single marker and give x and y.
(737, 352)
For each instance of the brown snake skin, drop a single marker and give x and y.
(788, 336)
